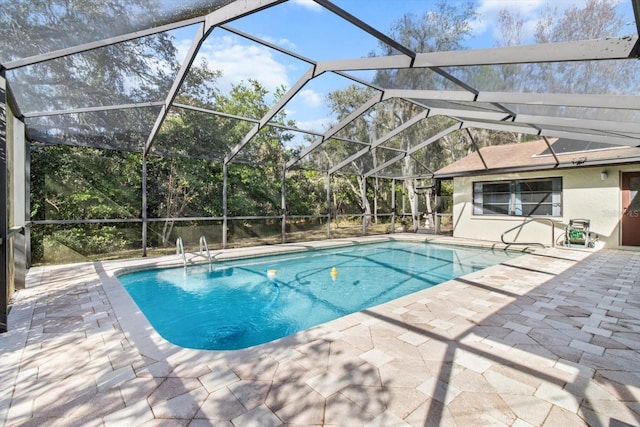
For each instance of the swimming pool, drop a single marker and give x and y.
(247, 302)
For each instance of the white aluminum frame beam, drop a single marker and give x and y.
(434, 138)
(366, 27)
(614, 102)
(36, 59)
(605, 139)
(439, 95)
(368, 63)
(636, 13)
(272, 112)
(622, 102)
(418, 117)
(461, 114)
(250, 120)
(319, 141)
(549, 147)
(384, 165)
(583, 50)
(501, 126)
(266, 43)
(349, 159)
(418, 147)
(92, 109)
(475, 146)
(218, 17)
(177, 83)
(388, 41)
(552, 133)
(598, 125)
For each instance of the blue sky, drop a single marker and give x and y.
(307, 29)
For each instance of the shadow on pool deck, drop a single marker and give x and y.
(550, 338)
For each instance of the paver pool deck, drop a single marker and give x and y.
(550, 338)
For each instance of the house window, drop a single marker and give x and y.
(531, 197)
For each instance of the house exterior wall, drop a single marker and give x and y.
(585, 195)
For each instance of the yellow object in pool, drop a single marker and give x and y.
(334, 274)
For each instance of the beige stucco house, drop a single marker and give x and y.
(499, 187)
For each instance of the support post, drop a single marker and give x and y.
(144, 204)
(224, 205)
(283, 204)
(364, 206)
(415, 216)
(4, 243)
(393, 206)
(27, 203)
(17, 196)
(404, 205)
(438, 207)
(328, 185)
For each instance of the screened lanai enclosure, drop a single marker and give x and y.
(127, 124)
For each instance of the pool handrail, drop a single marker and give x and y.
(550, 221)
(180, 250)
(203, 244)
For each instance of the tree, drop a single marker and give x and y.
(84, 183)
(254, 176)
(343, 103)
(443, 29)
(112, 75)
(596, 19)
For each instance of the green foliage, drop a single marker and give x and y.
(88, 240)
(306, 193)
(185, 166)
(116, 74)
(184, 175)
(254, 190)
(84, 183)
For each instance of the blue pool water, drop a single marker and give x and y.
(236, 305)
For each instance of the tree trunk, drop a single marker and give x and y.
(429, 213)
(361, 192)
(411, 190)
(166, 231)
(376, 186)
(365, 201)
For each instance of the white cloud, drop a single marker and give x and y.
(316, 125)
(282, 42)
(311, 98)
(308, 4)
(240, 62)
(528, 10)
(488, 11)
(182, 47)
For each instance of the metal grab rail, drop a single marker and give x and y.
(180, 250)
(203, 244)
(553, 233)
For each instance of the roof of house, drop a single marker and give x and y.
(535, 155)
